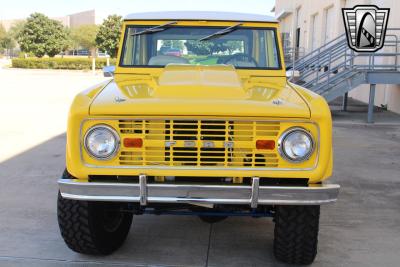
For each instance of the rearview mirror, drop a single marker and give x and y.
(109, 71)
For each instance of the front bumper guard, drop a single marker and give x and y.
(198, 194)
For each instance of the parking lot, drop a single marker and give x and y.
(361, 229)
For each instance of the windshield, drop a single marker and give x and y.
(249, 48)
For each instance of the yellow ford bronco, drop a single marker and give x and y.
(198, 119)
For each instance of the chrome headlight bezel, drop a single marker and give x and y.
(285, 135)
(113, 132)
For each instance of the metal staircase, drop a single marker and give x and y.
(334, 69)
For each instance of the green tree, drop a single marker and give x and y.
(8, 42)
(69, 43)
(177, 44)
(214, 46)
(199, 48)
(235, 46)
(3, 35)
(41, 35)
(84, 36)
(2, 31)
(16, 29)
(107, 38)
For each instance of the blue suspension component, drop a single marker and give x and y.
(252, 213)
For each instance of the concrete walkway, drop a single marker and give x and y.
(356, 114)
(34, 105)
(361, 229)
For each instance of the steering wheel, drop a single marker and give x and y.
(238, 57)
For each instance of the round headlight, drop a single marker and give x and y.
(296, 145)
(102, 142)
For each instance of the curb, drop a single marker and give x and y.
(374, 124)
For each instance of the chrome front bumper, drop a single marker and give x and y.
(145, 193)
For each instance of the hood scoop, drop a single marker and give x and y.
(193, 90)
(199, 81)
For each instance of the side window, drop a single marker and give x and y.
(128, 47)
(262, 60)
(135, 49)
(271, 51)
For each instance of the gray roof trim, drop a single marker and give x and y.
(200, 15)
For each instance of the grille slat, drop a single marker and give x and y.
(221, 143)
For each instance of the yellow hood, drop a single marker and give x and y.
(186, 90)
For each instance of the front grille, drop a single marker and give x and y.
(220, 143)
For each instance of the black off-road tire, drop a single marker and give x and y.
(296, 234)
(96, 228)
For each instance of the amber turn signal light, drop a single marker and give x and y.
(133, 142)
(265, 144)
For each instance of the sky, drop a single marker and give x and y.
(18, 9)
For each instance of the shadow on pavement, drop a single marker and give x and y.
(29, 232)
(361, 229)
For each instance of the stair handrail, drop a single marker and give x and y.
(334, 55)
(301, 65)
(319, 49)
(333, 65)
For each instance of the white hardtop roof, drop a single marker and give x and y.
(200, 15)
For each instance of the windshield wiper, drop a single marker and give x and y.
(158, 28)
(221, 32)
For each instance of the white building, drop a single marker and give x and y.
(70, 21)
(308, 24)
(78, 19)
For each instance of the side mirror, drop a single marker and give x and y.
(292, 75)
(109, 71)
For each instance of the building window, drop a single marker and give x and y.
(297, 28)
(329, 21)
(314, 31)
